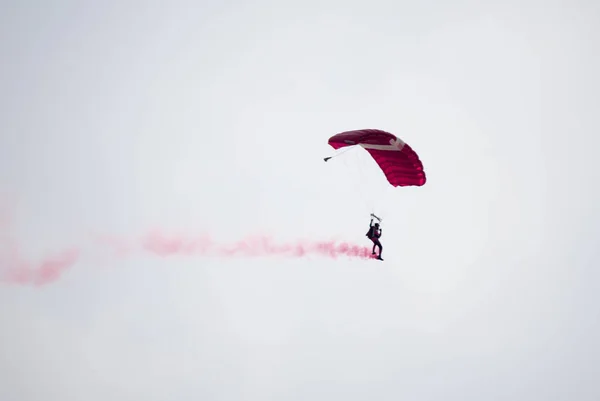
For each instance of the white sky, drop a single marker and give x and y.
(121, 117)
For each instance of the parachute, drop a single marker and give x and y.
(399, 162)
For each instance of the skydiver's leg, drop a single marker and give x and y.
(378, 244)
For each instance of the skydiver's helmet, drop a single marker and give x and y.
(376, 225)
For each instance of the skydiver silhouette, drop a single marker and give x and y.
(374, 234)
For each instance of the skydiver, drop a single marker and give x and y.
(374, 234)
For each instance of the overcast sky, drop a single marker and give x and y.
(213, 117)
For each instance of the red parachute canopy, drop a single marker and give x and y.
(397, 160)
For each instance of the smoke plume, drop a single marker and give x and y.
(14, 268)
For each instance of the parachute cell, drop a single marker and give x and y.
(398, 161)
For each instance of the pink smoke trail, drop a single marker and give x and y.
(14, 269)
(18, 271)
(255, 246)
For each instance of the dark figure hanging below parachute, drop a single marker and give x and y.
(374, 234)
